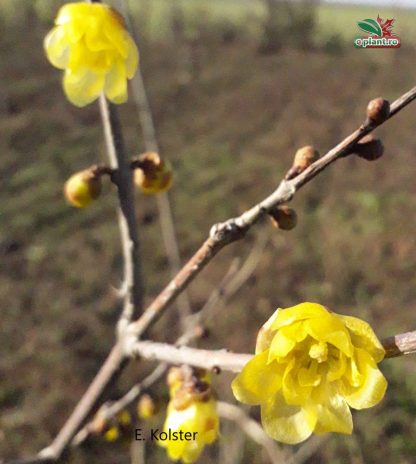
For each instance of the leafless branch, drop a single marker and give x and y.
(401, 344)
(253, 429)
(122, 177)
(167, 224)
(234, 362)
(235, 229)
(220, 235)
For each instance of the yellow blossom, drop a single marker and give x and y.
(82, 188)
(154, 174)
(112, 434)
(90, 42)
(200, 420)
(310, 367)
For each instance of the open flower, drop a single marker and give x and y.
(310, 366)
(192, 419)
(91, 44)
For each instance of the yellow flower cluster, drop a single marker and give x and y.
(310, 366)
(91, 44)
(193, 412)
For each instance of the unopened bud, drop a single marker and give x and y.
(175, 378)
(283, 217)
(378, 110)
(146, 407)
(152, 174)
(82, 188)
(304, 157)
(124, 418)
(112, 434)
(369, 148)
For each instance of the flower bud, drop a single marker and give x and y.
(152, 174)
(112, 434)
(283, 217)
(146, 407)
(124, 418)
(378, 110)
(175, 377)
(369, 148)
(82, 188)
(304, 157)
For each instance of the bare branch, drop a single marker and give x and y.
(252, 428)
(234, 362)
(122, 177)
(401, 344)
(234, 229)
(167, 224)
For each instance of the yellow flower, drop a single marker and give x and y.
(310, 366)
(91, 44)
(199, 420)
(82, 188)
(154, 174)
(112, 434)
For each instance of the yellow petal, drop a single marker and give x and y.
(363, 336)
(334, 416)
(257, 381)
(330, 329)
(132, 59)
(83, 87)
(286, 423)
(373, 386)
(57, 47)
(309, 377)
(281, 345)
(299, 312)
(116, 84)
(293, 392)
(337, 366)
(266, 333)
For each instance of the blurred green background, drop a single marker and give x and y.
(236, 87)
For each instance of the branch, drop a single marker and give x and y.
(162, 200)
(234, 362)
(235, 229)
(220, 236)
(401, 344)
(252, 428)
(122, 177)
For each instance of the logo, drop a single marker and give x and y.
(379, 34)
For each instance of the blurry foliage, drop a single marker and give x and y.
(230, 120)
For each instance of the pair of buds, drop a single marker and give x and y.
(151, 175)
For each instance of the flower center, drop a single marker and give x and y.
(319, 351)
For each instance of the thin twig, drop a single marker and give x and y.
(167, 223)
(122, 177)
(235, 229)
(234, 362)
(252, 428)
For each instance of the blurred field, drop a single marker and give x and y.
(229, 118)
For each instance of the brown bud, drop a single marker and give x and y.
(378, 110)
(82, 188)
(304, 157)
(369, 148)
(283, 217)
